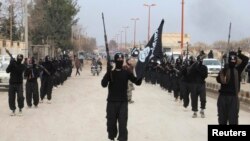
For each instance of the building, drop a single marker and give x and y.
(15, 47)
(171, 42)
(18, 47)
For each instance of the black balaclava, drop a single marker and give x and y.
(19, 58)
(201, 56)
(118, 63)
(200, 59)
(191, 60)
(47, 58)
(32, 60)
(178, 62)
(232, 59)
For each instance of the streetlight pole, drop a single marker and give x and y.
(117, 39)
(121, 38)
(125, 29)
(135, 19)
(79, 36)
(149, 7)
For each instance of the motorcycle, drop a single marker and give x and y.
(96, 69)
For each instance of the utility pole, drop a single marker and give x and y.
(182, 23)
(79, 30)
(11, 18)
(125, 29)
(26, 29)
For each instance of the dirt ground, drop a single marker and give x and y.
(77, 113)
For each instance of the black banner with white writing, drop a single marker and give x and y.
(239, 132)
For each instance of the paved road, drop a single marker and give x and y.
(77, 113)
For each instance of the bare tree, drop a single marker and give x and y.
(11, 16)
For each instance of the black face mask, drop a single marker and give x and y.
(232, 61)
(47, 59)
(19, 61)
(118, 64)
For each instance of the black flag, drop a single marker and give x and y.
(152, 49)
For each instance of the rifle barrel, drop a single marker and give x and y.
(107, 49)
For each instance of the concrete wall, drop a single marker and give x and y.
(172, 40)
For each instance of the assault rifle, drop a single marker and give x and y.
(43, 68)
(107, 49)
(8, 52)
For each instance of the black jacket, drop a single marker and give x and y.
(117, 87)
(198, 73)
(31, 73)
(49, 67)
(229, 89)
(16, 72)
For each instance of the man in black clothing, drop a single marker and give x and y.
(210, 54)
(47, 80)
(248, 73)
(176, 79)
(31, 74)
(198, 73)
(16, 69)
(185, 85)
(117, 106)
(229, 78)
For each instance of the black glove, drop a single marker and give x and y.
(109, 68)
(139, 81)
(108, 75)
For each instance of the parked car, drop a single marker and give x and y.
(213, 65)
(4, 76)
(173, 55)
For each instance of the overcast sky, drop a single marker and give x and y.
(205, 20)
